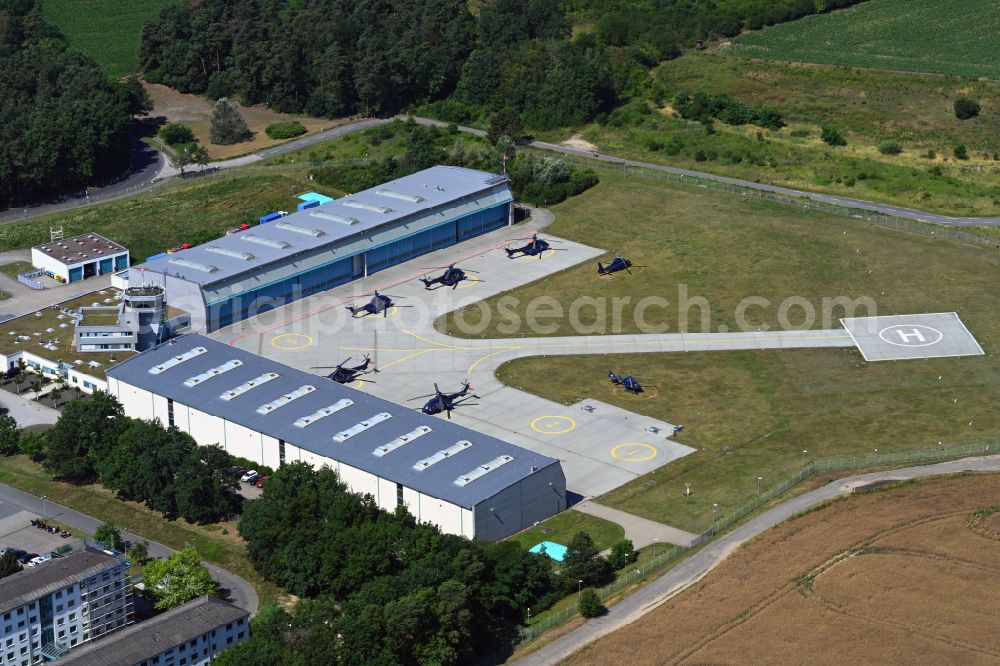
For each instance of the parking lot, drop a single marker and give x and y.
(16, 531)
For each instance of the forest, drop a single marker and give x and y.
(379, 588)
(338, 57)
(63, 124)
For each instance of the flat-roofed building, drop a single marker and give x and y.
(56, 606)
(463, 481)
(80, 257)
(298, 255)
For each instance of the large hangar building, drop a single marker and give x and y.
(249, 272)
(463, 481)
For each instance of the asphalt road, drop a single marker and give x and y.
(240, 592)
(692, 569)
(148, 165)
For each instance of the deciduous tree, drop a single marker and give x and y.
(178, 579)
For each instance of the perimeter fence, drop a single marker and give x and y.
(809, 469)
(802, 202)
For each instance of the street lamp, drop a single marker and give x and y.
(44, 512)
(759, 479)
(804, 452)
(579, 588)
(655, 541)
(715, 508)
(529, 615)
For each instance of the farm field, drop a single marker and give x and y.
(941, 36)
(749, 413)
(902, 575)
(196, 112)
(106, 30)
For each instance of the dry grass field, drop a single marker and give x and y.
(904, 575)
(196, 113)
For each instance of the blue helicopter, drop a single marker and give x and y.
(534, 248)
(346, 375)
(445, 402)
(620, 263)
(626, 381)
(451, 277)
(378, 303)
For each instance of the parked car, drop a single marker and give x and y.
(250, 477)
(261, 480)
(239, 471)
(35, 561)
(27, 557)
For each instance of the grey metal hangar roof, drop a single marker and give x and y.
(400, 444)
(357, 215)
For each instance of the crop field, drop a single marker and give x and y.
(907, 574)
(106, 30)
(958, 37)
(751, 413)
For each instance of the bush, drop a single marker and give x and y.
(889, 147)
(960, 152)
(175, 134)
(590, 603)
(288, 130)
(800, 132)
(832, 136)
(966, 108)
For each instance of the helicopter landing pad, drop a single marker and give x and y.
(901, 337)
(600, 447)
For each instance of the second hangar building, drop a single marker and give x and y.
(298, 255)
(463, 481)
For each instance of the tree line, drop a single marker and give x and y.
(63, 125)
(141, 460)
(380, 588)
(515, 57)
(541, 181)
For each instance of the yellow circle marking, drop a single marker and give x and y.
(634, 452)
(544, 255)
(468, 282)
(291, 341)
(553, 425)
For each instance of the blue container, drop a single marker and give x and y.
(308, 204)
(157, 256)
(270, 217)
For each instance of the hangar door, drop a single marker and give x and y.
(482, 221)
(407, 248)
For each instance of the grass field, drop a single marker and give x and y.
(226, 550)
(905, 575)
(942, 36)
(14, 268)
(751, 414)
(106, 30)
(193, 212)
(866, 106)
(562, 528)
